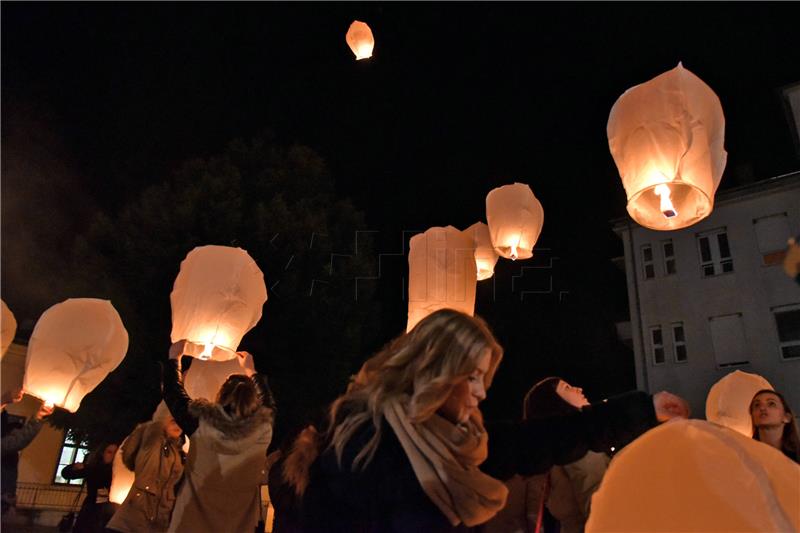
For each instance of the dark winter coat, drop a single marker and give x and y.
(96, 510)
(15, 438)
(386, 496)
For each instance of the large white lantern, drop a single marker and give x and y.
(485, 255)
(666, 136)
(728, 400)
(694, 476)
(515, 220)
(441, 273)
(8, 328)
(360, 40)
(74, 346)
(217, 298)
(204, 378)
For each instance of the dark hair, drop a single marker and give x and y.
(95, 457)
(239, 396)
(790, 440)
(542, 400)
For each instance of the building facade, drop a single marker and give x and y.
(713, 297)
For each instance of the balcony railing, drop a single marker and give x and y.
(44, 496)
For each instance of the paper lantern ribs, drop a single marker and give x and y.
(441, 273)
(217, 298)
(666, 136)
(74, 345)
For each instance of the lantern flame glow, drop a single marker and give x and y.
(208, 350)
(513, 254)
(663, 192)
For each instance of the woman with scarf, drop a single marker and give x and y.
(403, 445)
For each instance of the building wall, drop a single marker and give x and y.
(752, 289)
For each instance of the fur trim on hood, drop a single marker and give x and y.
(231, 428)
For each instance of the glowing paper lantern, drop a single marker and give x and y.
(74, 346)
(515, 219)
(121, 478)
(666, 136)
(693, 476)
(728, 400)
(441, 273)
(204, 378)
(8, 328)
(217, 298)
(485, 256)
(360, 40)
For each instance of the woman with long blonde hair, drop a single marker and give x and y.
(403, 445)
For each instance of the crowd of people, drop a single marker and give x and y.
(404, 448)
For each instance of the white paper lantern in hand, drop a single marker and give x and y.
(485, 255)
(728, 400)
(74, 346)
(8, 328)
(515, 220)
(666, 136)
(204, 378)
(217, 298)
(360, 40)
(441, 273)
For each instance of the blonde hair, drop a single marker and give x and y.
(425, 364)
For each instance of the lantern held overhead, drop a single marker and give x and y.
(441, 273)
(8, 328)
(485, 255)
(515, 220)
(74, 346)
(216, 299)
(728, 400)
(666, 136)
(360, 40)
(204, 378)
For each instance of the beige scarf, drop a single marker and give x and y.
(445, 459)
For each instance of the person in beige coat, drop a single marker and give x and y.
(569, 487)
(227, 453)
(153, 453)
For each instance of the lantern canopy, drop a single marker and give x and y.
(216, 299)
(74, 345)
(360, 40)
(441, 273)
(485, 255)
(515, 220)
(666, 136)
(693, 476)
(204, 378)
(728, 400)
(8, 328)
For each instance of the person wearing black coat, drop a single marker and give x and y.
(404, 445)
(96, 510)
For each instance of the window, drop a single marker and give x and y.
(772, 234)
(647, 262)
(730, 344)
(679, 342)
(715, 253)
(669, 257)
(657, 343)
(787, 320)
(71, 452)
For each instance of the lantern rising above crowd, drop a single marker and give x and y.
(216, 299)
(360, 40)
(485, 255)
(515, 220)
(666, 136)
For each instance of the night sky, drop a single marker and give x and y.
(106, 99)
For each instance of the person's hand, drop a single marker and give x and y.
(246, 363)
(669, 406)
(44, 410)
(11, 396)
(177, 349)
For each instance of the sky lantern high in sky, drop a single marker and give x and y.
(485, 255)
(666, 136)
(8, 328)
(360, 40)
(515, 220)
(74, 346)
(441, 273)
(216, 299)
(728, 400)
